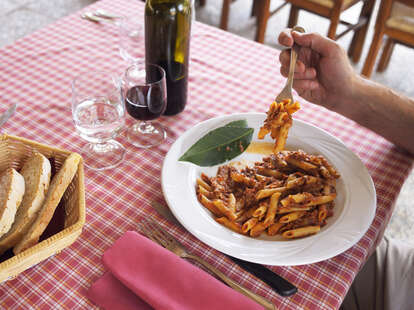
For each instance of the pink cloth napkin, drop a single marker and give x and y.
(144, 275)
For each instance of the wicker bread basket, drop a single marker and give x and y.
(13, 153)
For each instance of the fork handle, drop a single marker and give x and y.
(293, 58)
(257, 298)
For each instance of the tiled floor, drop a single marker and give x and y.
(21, 17)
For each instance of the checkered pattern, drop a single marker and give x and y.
(227, 74)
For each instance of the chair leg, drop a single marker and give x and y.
(357, 43)
(293, 16)
(333, 26)
(254, 9)
(386, 55)
(372, 54)
(262, 11)
(225, 11)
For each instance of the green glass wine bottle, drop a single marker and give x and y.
(167, 44)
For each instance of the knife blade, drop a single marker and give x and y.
(280, 285)
(6, 115)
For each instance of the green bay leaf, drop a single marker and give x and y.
(239, 123)
(220, 145)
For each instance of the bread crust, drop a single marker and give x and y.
(12, 189)
(57, 187)
(36, 173)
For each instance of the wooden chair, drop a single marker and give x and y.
(396, 21)
(332, 10)
(260, 9)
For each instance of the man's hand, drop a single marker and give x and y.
(323, 74)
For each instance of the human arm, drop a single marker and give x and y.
(325, 77)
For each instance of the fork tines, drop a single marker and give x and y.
(155, 232)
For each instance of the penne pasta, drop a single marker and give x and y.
(282, 137)
(229, 224)
(302, 164)
(209, 205)
(205, 178)
(301, 232)
(271, 211)
(296, 199)
(202, 190)
(322, 213)
(274, 228)
(257, 229)
(283, 210)
(290, 217)
(294, 183)
(232, 202)
(245, 215)
(293, 107)
(202, 183)
(267, 192)
(249, 224)
(269, 172)
(224, 210)
(328, 166)
(260, 211)
(262, 133)
(320, 200)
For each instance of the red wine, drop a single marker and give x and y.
(145, 102)
(167, 43)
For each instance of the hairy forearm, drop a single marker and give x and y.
(382, 110)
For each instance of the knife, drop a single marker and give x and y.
(6, 115)
(279, 284)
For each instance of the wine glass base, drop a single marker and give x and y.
(104, 155)
(146, 134)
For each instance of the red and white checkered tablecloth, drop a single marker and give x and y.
(227, 74)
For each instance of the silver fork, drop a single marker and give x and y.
(157, 234)
(94, 18)
(286, 92)
(104, 14)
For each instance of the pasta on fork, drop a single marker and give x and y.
(278, 122)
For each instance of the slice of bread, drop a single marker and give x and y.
(11, 194)
(57, 188)
(36, 173)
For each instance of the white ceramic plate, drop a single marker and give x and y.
(354, 206)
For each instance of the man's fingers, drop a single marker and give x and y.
(285, 38)
(316, 42)
(284, 58)
(304, 85)
(308, 74)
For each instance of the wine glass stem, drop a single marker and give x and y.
(101, 147)
(146, 127)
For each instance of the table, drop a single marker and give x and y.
(228, 74)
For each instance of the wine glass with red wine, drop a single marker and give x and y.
(144, 93)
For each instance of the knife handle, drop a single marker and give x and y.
(279, 284)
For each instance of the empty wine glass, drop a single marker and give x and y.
(98, 115)
(131, 39)
(144, 93)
